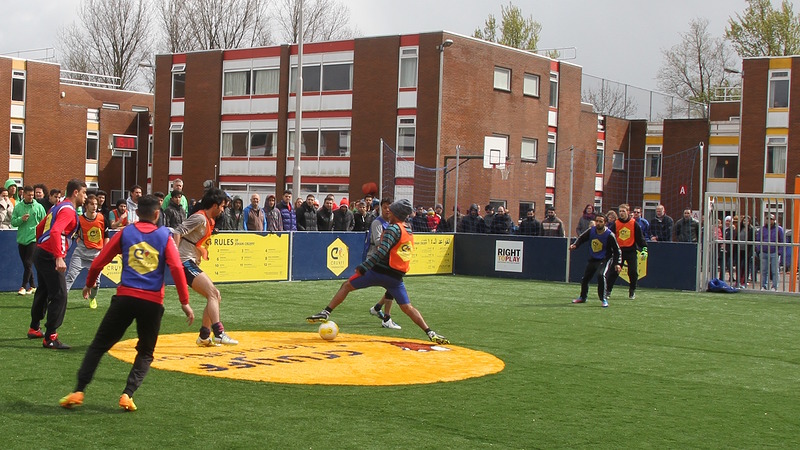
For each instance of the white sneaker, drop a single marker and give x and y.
(225, 339)
(378, 314)
(31, 291)
(391, 324)
(22, 291)
(207, 342)
(632, 296)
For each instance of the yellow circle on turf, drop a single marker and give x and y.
(304, 358)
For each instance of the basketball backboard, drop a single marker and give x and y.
(495, 152)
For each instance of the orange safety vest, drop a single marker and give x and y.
(400, 255)
(625, 232)
(92, 233)
(203, 243)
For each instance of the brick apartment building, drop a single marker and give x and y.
(61, 130)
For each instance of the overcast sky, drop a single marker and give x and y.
(620, 40)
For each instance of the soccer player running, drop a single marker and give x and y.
(386, 267)
(53, 235)
(91, 237)
(629, 236)
(604, 259)
(146, 251)
(373, 240)
(193, 240)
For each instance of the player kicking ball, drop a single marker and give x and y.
(147, 250)
(386, 268)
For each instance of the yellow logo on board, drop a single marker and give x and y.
(143, 258)
(597, 245)
(338, 257)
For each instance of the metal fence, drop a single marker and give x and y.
(631, 102)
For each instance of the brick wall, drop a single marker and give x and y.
(754, 117)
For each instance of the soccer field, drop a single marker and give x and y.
(667, 370)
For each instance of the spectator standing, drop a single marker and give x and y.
(118, 217)
(586, 220)
(177, 185)
(502, 223)
(343, 219)
(530, 226)
(552, 225)
(174, 215)
(6, 210)
(643, 223)
(419, 220)
(745, 262)
(160, 196)
(11, 187)
(91, 238)
(25, 217)
(53, 197)
(306, 215)
(433, 220)
(102, 205)
(133, 203)
(771, 255)
(360, 220)
(488, 216)
(472, 222)
(40, 193)
(661, 225)
(236, 212)
(254, 217)
(288, 215)
(53, 233)
(687, 229)
(274, 219)
(325, 215)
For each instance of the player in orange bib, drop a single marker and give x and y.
(386, 267)
(91, 238)
(630, 238)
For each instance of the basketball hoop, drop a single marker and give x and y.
(503, 169)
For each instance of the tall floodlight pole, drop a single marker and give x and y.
(446, 43)
(298, 118)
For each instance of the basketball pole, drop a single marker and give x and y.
(569, 220)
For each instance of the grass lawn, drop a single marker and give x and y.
(667, 370)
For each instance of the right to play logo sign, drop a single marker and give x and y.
(508, 256)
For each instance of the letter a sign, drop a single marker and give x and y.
(683, 190)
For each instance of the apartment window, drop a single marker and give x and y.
(337, 77)
(176, 144)
(406, 140)
(553, 90)
(266, 81)
(779, 89)
(17, 140)
(549, 199)
(18, 86)
(408, 68)
(601, 155)
(234, 144)
(530, 85)
(334, 143)
(652, 162)
(618, 162)
(502, 79)
(114, 106)
(92, 145)
(311, 79)
(263, 143)
(724, 166)
(776, 155)
(524, 207)
(179, 85)
(308, 145)
(236, 83)
(598, 203)
(551, 151)
(529, 150)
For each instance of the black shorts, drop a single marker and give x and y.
(191, 270)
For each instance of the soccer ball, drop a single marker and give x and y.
(328, 330)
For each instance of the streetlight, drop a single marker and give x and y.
(446, 43)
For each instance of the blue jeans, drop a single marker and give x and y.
(769, 265)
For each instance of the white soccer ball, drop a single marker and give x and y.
(328, 330)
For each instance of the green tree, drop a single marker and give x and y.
(515, 29)
(765, 31)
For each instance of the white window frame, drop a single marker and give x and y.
(322, 76)
(618, 161)
(551, 141)
(600, 167)
(554, 97)
(178, 69)
(95, 135)
(248, 83)
(549, 199)
(405, 123)
(532, 155)
(530, 85)
(649, 152)
(502, 75)
(783, 75)
(407, 55)
(19, 75)
(774, 142)
(17, 129)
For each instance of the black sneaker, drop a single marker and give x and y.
(54, 343)
(321, 316)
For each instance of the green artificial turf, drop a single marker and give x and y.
(667, 370)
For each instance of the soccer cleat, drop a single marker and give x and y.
(224, 339)
(321, 316)
(632, 296)
(126, 403)
(378, 313)
(54, 343)
(207, 342)
(604, 303)
(72, 400)
(579, 300)
(35, 334)
(437, 338)
(31, 291)
(22, 291)
(391, 324)
(93, 303)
